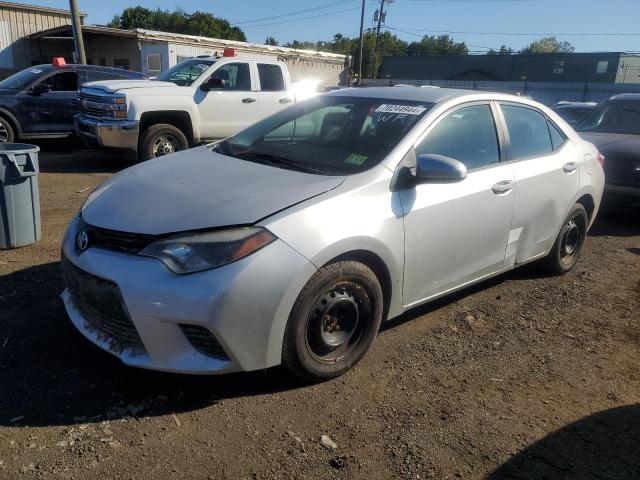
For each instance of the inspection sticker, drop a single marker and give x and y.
(355, 159)
(407, 109)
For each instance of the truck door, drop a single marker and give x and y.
(229, 110)
(273, 94)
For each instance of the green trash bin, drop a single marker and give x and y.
(19, 196)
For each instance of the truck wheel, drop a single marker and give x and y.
(6, 131)
(162, 139)
(333, 322)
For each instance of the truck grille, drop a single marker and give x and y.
(132, 243)
(622, 171)
(101, 305)
(96, 105)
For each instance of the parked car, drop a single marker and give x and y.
(292, 240)
(199, 99)
(573, 112)
(614, 127)
(41, 101)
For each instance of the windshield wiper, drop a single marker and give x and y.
(275, 160)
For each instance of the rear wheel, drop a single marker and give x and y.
(568, 245)
(162, 139)
(7, 134)
(333, 322)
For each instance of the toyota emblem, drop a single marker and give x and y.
(82, 241)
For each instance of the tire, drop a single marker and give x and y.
(7, 134)
(333, 321)
(567, 248)
(162, 139)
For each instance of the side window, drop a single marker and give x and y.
(557, 137)
(236, 76)
(528, 131)
(468, 135)
(271, 78)
(154, 64)
(63, 82)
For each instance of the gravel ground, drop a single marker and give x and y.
(523, 376)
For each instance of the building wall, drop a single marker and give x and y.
(16, 52)
(629, 69)
(535, 68)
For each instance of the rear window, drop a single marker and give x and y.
(271, 78)
(528, 132)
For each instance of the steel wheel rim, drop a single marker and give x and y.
(165, 145)
(4, 134)
(571, 240)
(337, 322)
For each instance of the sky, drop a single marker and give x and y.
(482, 24)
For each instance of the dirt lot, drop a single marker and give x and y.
(524, 376)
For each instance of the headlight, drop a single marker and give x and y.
(189, 253)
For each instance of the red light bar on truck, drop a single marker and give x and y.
(229, 52)
(58, 62)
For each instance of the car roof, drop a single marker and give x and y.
(47, 67)
(565, 104)
(430, 95)
(626, 96)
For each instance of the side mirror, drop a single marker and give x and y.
(213, 84)
(40, 88)
(438, 168)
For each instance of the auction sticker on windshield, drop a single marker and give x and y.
(355, 159)
(406, 109)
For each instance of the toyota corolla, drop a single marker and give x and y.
(290, 242)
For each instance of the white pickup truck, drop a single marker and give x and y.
(198, 100)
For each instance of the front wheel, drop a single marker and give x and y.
(162, 139)
(7, 134)
(333, 321)
(568, 245)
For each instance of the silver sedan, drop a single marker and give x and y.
(290, 242)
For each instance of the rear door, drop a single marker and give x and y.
(545, 167)
(274, 94)
(227, 111)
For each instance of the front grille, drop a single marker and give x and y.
(203, 341)
(101, 305)
(115, 240)
(622, 171)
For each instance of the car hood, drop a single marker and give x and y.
(197, 189)
(112, 86)
(614, 144)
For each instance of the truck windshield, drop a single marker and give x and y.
(22, 79)
(615, 116)
(185, 73)
(328, 135)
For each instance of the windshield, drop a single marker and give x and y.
(185, 73)
(22, 79)
(329, 135)
(572, 114)
(616, 116)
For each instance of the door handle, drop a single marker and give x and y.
(248, 100)
(505, 186)
(569, 167)
(285, 100)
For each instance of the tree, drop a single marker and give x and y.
(271, 41)
(548, 45)
(440, 45)
(198, 23)
(504, 50)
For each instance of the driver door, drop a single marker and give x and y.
(53, 111)
(226, 111)
(456, 233)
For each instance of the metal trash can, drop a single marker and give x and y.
(19, 195)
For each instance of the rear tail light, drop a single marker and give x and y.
(601, 159)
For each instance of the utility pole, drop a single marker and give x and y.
(361, 45)
(76, 24)
(381, 15)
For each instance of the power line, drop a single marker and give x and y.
(518, 34)
(418, 35)
(296, 12)
(305, 18)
